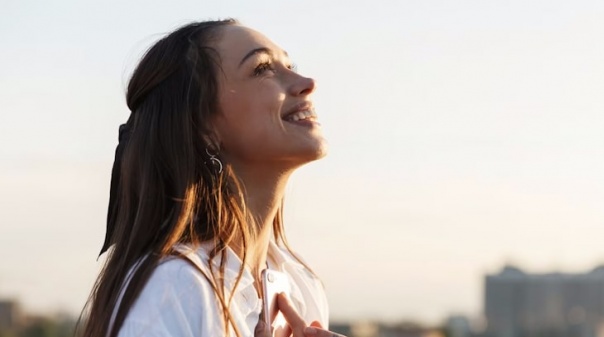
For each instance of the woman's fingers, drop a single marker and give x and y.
(297, 323)
(316, 324)
(294, 320)
(318, 332)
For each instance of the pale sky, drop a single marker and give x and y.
(463, 135)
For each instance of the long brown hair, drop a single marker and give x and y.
(165, 188)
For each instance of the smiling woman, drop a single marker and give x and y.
(219, 121)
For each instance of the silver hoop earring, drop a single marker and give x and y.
(216, 163)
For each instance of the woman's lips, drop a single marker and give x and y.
(301, 115)
(306, 118)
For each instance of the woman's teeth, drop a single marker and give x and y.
(300, 115)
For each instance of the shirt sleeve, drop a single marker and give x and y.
(177, 301)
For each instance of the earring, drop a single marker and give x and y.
(216, 163)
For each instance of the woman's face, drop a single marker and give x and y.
(267, 116)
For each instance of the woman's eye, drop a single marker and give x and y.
(293, 67)
(262, 67)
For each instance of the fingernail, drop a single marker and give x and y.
(260, 326)
(309, 330)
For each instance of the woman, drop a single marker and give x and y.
(219, 121)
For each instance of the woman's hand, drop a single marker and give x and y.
(315, 329)
(297, 325)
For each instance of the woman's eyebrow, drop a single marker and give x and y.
(261, 50)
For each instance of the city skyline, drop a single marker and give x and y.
(463, 136)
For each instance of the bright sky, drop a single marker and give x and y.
(463, 135)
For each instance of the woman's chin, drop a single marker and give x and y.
(310, 155)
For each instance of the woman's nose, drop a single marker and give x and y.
(303, 86)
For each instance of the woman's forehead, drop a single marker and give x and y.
(237, 41)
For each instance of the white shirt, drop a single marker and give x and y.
(178, 301)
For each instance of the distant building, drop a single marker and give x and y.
(518, 304)
(458, 326)
(10, 315)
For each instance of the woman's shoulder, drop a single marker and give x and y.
(176, 300)
(180, 275)
(175, 278)
(177, 272)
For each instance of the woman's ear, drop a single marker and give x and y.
(212, 143)
(212, 139)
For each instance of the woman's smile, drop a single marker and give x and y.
(303, 115)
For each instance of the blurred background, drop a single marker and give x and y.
(463, 191)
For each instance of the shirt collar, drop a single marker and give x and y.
(246, 298)
(201, 257)
(278, 259)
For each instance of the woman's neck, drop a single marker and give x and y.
(263, 192)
